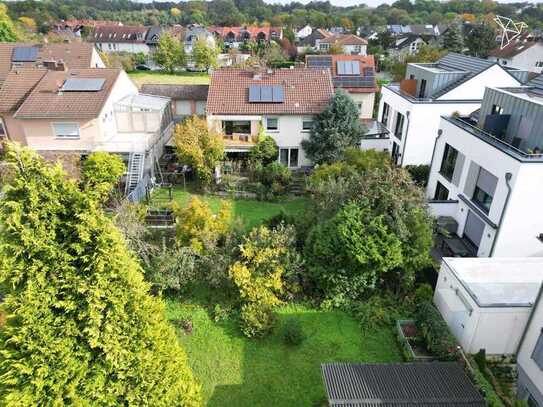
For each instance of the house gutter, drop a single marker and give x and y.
(439, 134)
(408, 114)
(508, 177)
(530, 318)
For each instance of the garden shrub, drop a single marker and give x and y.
(424, 293)
(100, 172)
(419, 173)
(325, 172)
(275, 173)
(264, 151)
(198, 228)
(365, 160)
(485, 388)
(435, 331)
(379, 311)
(257, 319)
(293, 333)
(173, 269)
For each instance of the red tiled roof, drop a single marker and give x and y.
(238, 32)
(76, 55)
(306, 91)
(344, 39)
(516, 47)
(46, 100)
(125, 33)
(18, 84)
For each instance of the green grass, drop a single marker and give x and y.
(236, 371)
(181, 78)
(250, 212)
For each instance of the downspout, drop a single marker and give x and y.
(439, 134)
(508, 177)
(530, 318)
(408, 114)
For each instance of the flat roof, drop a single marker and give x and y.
(499, 282)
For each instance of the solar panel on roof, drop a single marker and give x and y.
(319, 62)
(24, 54)
(254, 93)
(348, 68)
(83, 85)
(278, 94)
(355, 67)
(266, 94)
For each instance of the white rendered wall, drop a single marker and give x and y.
(525, 60)
(290, 135)
(367, 100)
(524, 357)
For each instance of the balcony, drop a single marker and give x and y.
(404, 91)
(239, 142)
(500, 144)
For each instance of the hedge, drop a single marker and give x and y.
(435, 331)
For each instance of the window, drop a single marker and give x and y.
(398, 129)
(496, 109)
(395, 153)
(307, 124)
(2, 129)
(422, 90)
(200, 107)
(442, 193)
(484, 190)
(66, 130)
(324, 47)
(357, 49)
(532, 402)
(386, 112)
(537, 354)
(449, 161)
(359, 105)
(272, 124)
(236, 126)
(473, 229)
(289, 157)
(539, 64)
(183, 107)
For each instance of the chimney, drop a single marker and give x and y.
(61, 66)
(51, 65)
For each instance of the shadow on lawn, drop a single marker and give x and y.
(276, 374)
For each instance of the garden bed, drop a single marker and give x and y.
(412, 341)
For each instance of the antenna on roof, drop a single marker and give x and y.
(510, 29)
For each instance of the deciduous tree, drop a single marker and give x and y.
(481, 40)
(81, 327)
(170, 53)
(204, 55)
(7, 29)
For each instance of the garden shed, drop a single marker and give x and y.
(486, 302)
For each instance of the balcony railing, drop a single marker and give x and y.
(240, 138)
(494, 141)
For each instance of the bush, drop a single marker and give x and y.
(293, 333)
(257, 319)
(379, 311)
(265, 151)
(275, 173)
(485, 388)
(435, 331)
(419, 173)
(173, 269)
(424, 293)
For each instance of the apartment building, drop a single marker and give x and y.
(350, 43)
(283, 102)
(524, 52)
(412, 109)
(234, 37)
(124, 38)
(67, 114)
(486, 176)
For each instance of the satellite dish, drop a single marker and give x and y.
(510, 29)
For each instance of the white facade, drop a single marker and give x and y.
(131, 47)
(304, 32)
(355, 49)
(96, 60)
(510, 230)
(531, 59)
(487, 303)
(288, 135)
(530, 357)
(421, 117)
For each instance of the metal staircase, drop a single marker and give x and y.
(135, 171)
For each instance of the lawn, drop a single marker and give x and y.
(181, 78)
(236, 371)
(250, 212)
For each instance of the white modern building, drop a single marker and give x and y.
(530, 357)
(486, 177)
(125, 38)
(525, 52)
(487, 302)
(283, 102)
(412, 109)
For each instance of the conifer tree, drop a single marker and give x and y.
(452, 39)
(81, 327)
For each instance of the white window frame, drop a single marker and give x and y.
(307, 119)
(66, 137)
(3, 127)
(272, 130)
(289, 149)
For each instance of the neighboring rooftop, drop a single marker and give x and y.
(85, 101)
(123, 33)
(353, 72)
(499, 281)
(515, 47)
(179, 92)
(76, 55)
(344, 39)
(17, 86)
(305, 91)
(241, 33)
(431, 384)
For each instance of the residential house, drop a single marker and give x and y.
(283, 102)
(405, 45)
(412, 109)
(195, 33)
(312, 41)
(399, 384)
(133, 39)
(75, 55)
(187, 100)
(67, 114)
(486, 172)
(304, 32)
(234, 37)
(350, 43)
(530, 357)
(525, 52)
(487, 302)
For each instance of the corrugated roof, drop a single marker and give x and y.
(306, 91)
(438, 384)
(179, 92)
(537, 82)
(466, 63)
